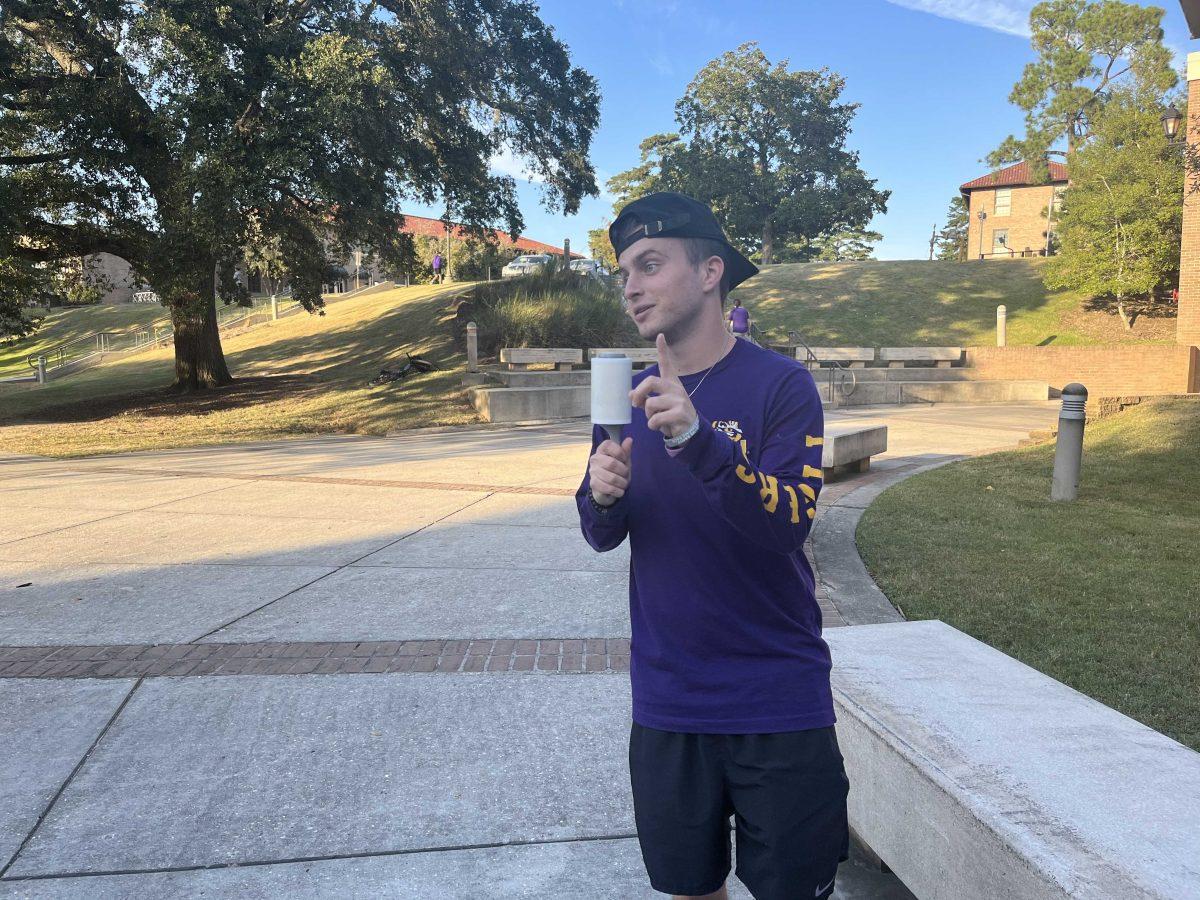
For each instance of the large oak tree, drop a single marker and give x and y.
(767, 148)
(164, 130)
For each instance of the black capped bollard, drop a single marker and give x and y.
(1068, 452)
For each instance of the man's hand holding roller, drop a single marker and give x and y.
(609, 471)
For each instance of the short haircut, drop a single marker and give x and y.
(700, 249)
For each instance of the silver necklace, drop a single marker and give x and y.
(710, 368)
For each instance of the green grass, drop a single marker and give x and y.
(69, 324)
(1099, 593)
(301, 375)
(918, 303)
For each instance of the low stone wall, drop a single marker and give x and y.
(1106, 371)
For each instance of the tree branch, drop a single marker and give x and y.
(38, 158)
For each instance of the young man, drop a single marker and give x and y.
(715, 484)
(739, 321)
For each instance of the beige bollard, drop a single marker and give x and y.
(472, 347)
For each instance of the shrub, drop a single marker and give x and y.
(550, 308)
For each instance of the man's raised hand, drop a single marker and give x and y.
(609, 471)
(668, 407)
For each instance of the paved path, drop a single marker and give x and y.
(391, 609)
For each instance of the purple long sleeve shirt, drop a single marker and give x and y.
(726, 630)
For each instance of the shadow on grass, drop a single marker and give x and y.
(337, 357)
(169, 402)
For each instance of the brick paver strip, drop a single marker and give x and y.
(573, 655)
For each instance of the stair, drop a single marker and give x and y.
(515, 396)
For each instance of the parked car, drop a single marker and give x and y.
(524, 265)
(589, 267)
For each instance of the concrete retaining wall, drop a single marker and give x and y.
(973, 775)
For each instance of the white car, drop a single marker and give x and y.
(524, 265)
(590, 267)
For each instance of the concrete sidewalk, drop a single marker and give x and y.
(320, 667)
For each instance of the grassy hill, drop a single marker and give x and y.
(64, 325)
(890, 303)
(303, 374)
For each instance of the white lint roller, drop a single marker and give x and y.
(612, 380)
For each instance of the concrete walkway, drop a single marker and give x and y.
(391, 610)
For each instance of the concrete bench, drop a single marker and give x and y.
(643, 356)
(943, 357)
(849, 448)
(857, 357)
(523, 357)
(974, 775)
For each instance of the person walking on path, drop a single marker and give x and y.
(437, 268)
(739, 320)
(715, 484)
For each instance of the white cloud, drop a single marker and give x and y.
(508, 163)
(1008, 16)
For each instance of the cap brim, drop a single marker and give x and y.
(740, 268)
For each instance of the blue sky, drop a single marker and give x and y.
(932, 78)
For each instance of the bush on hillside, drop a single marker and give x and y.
(550, 308)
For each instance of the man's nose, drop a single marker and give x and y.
(632, 288)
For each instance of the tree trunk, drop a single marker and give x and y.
(768, 248)
(1125, 317)
(199, 360)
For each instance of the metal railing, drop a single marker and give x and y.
(842, 380)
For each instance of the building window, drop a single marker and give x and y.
(1000, 240)
(1003, 201)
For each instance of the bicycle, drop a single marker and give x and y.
(411, 366)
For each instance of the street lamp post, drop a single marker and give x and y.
(982, 219)
(1170, 123)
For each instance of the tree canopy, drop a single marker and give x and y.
(165, 131)
(766, 147)
(1085, 50)
(1121, 218)
(952, 239)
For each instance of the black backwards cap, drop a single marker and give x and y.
(667, 214)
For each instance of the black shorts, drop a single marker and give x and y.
(786, 791)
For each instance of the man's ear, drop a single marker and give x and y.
(712, 270)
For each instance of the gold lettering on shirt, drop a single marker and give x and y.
(810, 441)
(795, 503)
(769, 492)
(810, 472)
(743, 472)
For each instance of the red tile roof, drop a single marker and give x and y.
(1014, 176)
(434, 228)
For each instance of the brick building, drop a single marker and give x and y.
(121, 285)
(1018, 215)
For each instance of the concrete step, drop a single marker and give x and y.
(541, 379)
(529, 404)
(874, 376)
(961, 373)
(870, 393)
(536, 396)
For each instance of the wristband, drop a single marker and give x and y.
(681, 439)
(597, 507)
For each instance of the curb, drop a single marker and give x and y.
(840, 568)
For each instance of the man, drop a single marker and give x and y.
(739, 321)
(715, 484)
(437, 268)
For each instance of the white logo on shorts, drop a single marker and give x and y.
(822, 890)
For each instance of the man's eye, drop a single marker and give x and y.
(650, 267)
